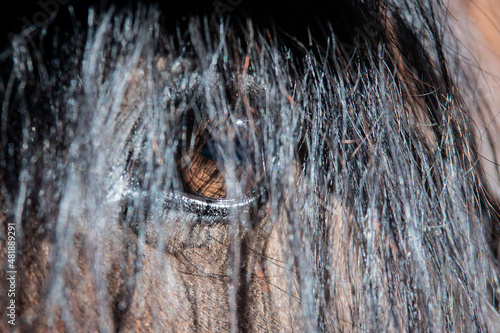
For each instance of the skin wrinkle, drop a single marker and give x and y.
(375, 214)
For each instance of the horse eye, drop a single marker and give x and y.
(206, 163)
(200, 172)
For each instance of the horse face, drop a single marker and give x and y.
(247, 175)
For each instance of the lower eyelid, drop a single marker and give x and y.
(210, 211)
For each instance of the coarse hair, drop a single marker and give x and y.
(353, 195)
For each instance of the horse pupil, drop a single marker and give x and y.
(208, 151)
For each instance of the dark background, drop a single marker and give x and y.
(15, 15)
(302, 20)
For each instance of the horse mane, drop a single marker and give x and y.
(377, 211)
